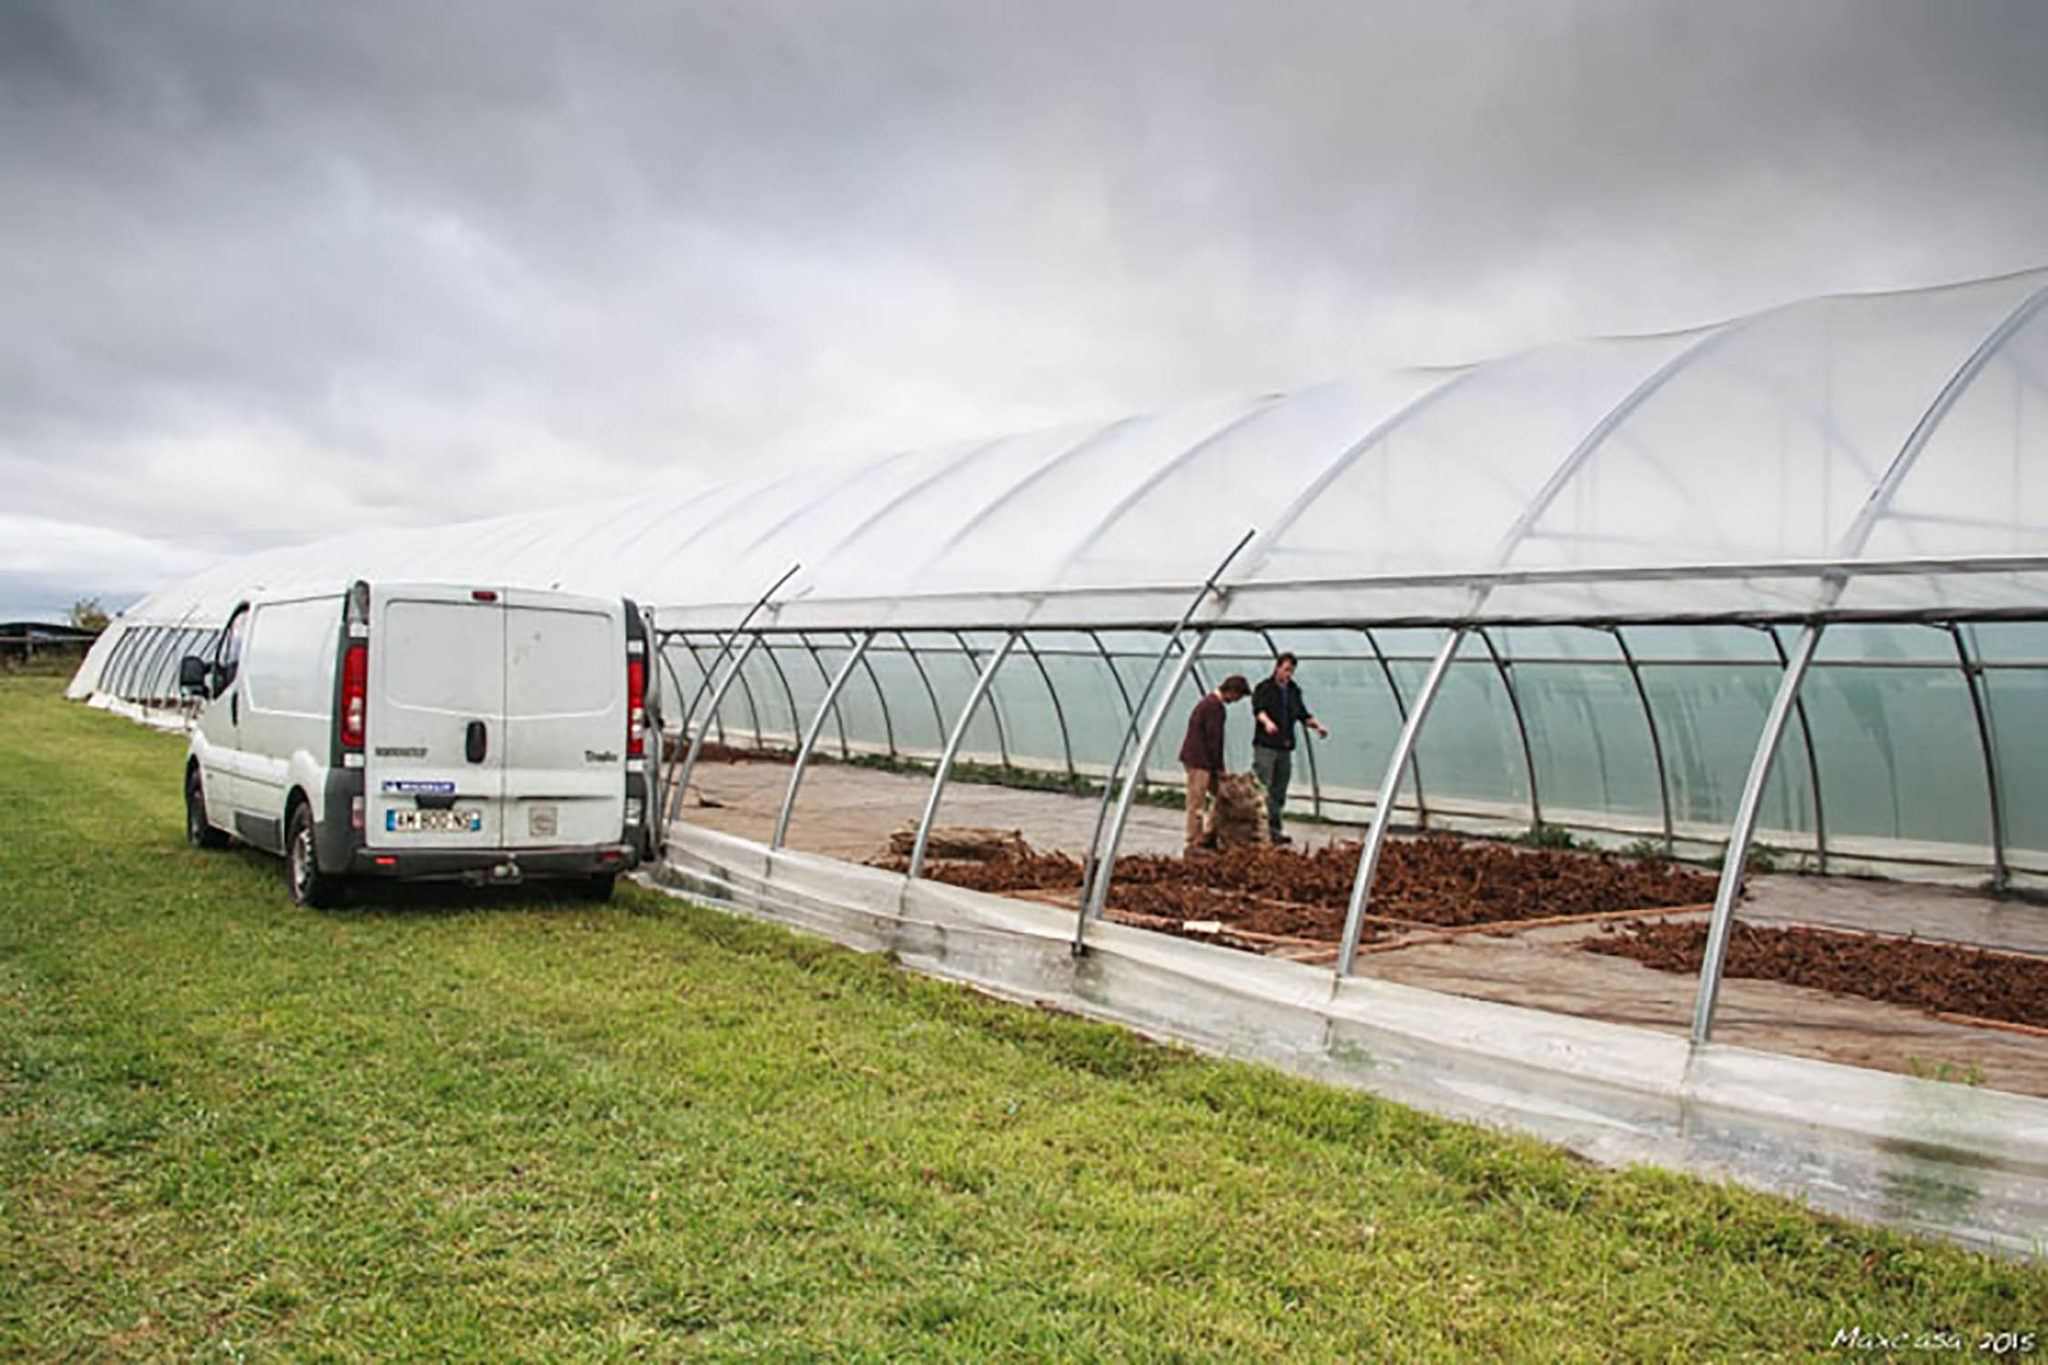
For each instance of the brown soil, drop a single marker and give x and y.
(1930, 976)
(1430, 881)
(1435, 882)
(713, 752)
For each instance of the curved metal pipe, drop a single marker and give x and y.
(830, 702)
(881, 698)
(671, 803)
(1105, 865)
(1109, 662)
(663, 642)
(1656, 739)
(704, 677)
(1090, 869)
(689, 765)
(725, 644)
(938, 712)
(825, 676)
(1820, 819)
(996, 703)
(1980, 704)
(959, 732)
(788, 693)
(1390, 790)
(1507, 683)
(1721, 925)
(753, 712)
(1401, 710)
(1902, 464)
(1059, 713)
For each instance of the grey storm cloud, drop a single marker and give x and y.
(272, 270)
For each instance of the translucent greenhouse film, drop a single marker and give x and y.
(1593, 565)
(1765, 595)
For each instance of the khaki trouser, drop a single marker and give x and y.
(1201, 805)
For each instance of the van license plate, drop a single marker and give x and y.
(433, 821)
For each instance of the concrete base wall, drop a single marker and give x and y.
(1963, 1163)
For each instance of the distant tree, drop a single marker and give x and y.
(88, 614)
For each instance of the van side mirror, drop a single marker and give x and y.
(192, 675)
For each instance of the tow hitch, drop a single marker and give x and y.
(506, 873)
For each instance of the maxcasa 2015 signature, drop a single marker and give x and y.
(2013, 1343)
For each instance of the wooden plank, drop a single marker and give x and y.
(2002, 1025)
(1591, 917)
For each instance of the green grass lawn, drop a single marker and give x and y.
(448, 1124)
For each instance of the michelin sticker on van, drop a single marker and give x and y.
(416, 788)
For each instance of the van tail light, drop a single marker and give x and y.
(636, 707)
(355, 694)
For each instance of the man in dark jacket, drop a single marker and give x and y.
(1201, 754)
(1276, 706)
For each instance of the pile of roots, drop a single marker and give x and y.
(1939, 977)
(1434, 881)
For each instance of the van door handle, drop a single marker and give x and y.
(234, 708)
(476, 743)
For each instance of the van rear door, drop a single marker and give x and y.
(565, 720)
(434, 766)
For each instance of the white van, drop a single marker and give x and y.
(426, 730)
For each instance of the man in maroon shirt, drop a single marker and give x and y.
(1201, 754)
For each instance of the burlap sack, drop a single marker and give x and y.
(1240, 810)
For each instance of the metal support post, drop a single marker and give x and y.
(931, 801)
(1105, 863)
(1059, 713)
(1095, 873)
(995, 705)
(1820, 812)
(830, 702)
(725, 644)
(1980, 706)
(788, 692)
(1656, 739)
(1401, 710)
(867, 666)
(1507, 683)
(931, 693)
(1390, 789)
(825, 676)
(1723, 922)
(682, 783)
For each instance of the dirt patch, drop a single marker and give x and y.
(713, 752)
(1431, 881)
(1259, 896)
(1939, 977)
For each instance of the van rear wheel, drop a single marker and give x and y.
(309, 885)
(598, 886)
(199, 832)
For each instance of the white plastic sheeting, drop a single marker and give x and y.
(1877, 454)
(1619, 516)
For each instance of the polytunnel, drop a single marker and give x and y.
(1779, 582)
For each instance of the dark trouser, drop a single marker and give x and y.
(1275, 767)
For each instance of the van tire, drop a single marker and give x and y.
(597, 886)
(309, 886)
(199, 832)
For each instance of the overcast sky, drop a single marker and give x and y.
(271, 270)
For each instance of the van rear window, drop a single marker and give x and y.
(441, 656)
(562, 663)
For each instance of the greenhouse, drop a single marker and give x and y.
(1770, 594)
